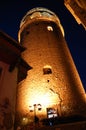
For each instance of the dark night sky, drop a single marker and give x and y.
(11, 13)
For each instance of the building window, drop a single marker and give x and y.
(47, 69)
(49, 28)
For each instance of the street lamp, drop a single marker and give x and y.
(34, 108)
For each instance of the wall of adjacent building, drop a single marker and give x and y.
(8, 84)
(78, 9)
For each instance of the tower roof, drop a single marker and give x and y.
(39, 13)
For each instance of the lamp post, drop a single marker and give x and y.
(34, 108)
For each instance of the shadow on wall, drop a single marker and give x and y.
(6, 119)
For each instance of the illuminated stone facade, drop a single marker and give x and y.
(53, 82)
(78, 9)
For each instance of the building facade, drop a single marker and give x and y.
(78, 9)
(52, 84)
(10, 62)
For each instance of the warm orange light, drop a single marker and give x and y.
(49, 28)
(43, 96)
(45, 99)
(39, 94)
(24, 121)
(53, 81)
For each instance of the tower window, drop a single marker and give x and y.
(47, 70)
(49, 28)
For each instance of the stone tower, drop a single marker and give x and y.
(52, 83)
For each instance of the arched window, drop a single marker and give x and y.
(47, 69)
